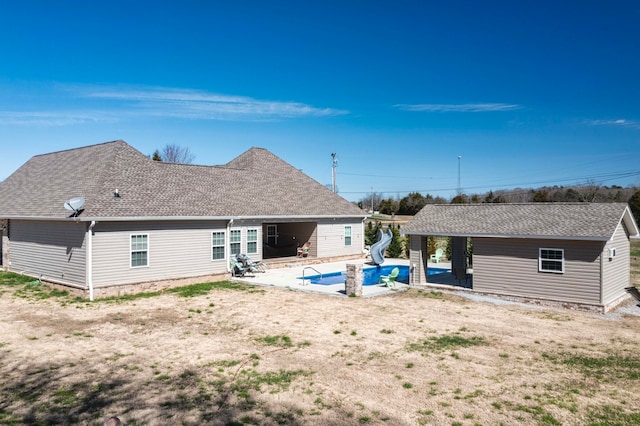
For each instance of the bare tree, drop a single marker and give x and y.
(371, 201)
(173, 153)
(589, 192)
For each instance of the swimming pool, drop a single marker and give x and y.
(371, 276)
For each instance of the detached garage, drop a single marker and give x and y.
(572, 253)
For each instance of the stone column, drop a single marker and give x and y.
(353, 285)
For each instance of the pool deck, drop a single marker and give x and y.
(289, 277)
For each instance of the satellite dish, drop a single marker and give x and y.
(75, 204)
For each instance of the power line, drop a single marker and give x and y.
(597, 179)
(387, 176)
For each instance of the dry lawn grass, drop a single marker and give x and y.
(227, 354)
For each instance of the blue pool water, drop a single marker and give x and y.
(371, 276)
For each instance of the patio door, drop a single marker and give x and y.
(272, 235)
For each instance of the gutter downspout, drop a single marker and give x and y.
(602, 266)
(89, 260)
(227, 244)
(362, 244)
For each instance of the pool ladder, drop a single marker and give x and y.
(313, 269)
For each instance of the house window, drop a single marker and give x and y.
(234, 241)
(347, 235)
(551, 260)
(139, 250)
(252, 241)
(217, 245)
(272, 235)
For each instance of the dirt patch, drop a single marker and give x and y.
(275, 356)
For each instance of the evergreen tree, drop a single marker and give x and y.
(541, 196)
(634, 205)
(571, 195)
(388, 206)
(370, 233)
(412, 203)
(489, 198)
(460, 199)
(396, 246)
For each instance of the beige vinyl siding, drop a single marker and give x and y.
(509, 266)
(616, 271)
(175, 250)
(330, 238)
(53, 250)
(244, 227)
(418, 257)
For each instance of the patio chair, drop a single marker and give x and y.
(390, 280)
(246, 261)
(237, 268)
(303, 251)
(258, 266)
(435, 258)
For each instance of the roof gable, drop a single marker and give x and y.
(593, 221)
(255, 184)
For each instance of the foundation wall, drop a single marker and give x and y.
(135, 288)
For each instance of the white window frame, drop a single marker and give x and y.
(237, 243)
(214, 246)
(252, 241)
(137, 250)
(560, 261)
(272, 235)
(348, 235)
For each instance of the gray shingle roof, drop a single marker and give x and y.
(255, 184)
(545, 220)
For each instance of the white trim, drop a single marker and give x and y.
(275, 236)
(89, 260)
(148, 250)
(630, 223)
(256, 240)
(239, 242)
(344, 235)
(530, 237)
(225, 246)
(287, 219)
(540, 259)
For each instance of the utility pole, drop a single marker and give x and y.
(333, 171)
(459, 187)
(372, 199)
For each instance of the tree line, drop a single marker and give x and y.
(589, 193)
(415, 201)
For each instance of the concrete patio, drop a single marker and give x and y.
(290, 277)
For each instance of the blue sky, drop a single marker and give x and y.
(528, 93)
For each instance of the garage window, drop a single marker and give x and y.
(551, 260)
